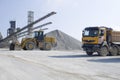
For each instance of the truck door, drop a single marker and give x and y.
(101, 36)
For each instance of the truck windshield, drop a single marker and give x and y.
(90, 32)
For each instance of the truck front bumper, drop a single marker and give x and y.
(90, 47)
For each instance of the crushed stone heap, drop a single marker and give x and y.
(64, 41)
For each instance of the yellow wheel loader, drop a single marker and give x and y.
(39, 41)
(29, 43)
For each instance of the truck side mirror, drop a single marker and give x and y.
(102, 33)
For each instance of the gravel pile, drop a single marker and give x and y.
(64, 41)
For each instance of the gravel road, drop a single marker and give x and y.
(57, 65)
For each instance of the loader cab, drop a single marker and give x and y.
(39, 35)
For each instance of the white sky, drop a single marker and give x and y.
(72, 15)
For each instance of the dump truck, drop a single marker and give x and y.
(39, 40)
(103, 40)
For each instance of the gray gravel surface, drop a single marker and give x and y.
(57, 65)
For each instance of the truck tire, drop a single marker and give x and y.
(114, 51)
(103, 51)
(12, 46)
(89, 53)
(29, 45)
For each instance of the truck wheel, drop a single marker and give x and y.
(12, 46)
(89, 53)
(114, 51)
(30, 45)
(103, 51)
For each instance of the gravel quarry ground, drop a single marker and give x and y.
(57, 65)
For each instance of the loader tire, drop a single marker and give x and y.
(30, 46)
(103, 51)
(89, 53)
(114, 51)
(12, 46)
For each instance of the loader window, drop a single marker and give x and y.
(36, 34)
(40, 33)
(40, 36)
(90, 32)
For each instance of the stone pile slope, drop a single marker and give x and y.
(64, 41)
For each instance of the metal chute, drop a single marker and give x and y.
(48, 23)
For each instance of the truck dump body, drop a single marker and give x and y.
(115, 36)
